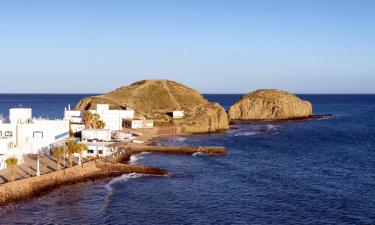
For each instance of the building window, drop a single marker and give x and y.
(90, 151)
(100, 152)
(37, 134)
(8, 134)
(1, 133)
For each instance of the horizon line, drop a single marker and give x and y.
(83, 93)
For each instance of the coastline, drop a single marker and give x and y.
(30, 188)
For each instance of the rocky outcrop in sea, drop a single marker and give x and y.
(270, 104)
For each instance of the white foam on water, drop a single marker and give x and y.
(181, 139)
(271, 127)
(123, 178)
(129, 176)
(197, 154)
(246, 133)
(134, 158)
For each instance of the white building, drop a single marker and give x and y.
(28, 135)
(178, 114)
(133, 124)
(20, 115)
(98, 149)
(96, 134)
(113, 119)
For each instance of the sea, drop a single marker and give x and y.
(293, 172)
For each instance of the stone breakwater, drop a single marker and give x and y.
(312, 117)
(112, 167)
(36, 186)
(210, 150)
(124, 157)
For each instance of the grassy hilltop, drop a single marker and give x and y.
(153, 99)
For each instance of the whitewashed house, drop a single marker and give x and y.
(133, 124)
(113, 119)
(75, 119)
(20, 115)
(31, 136)
(178, 114)
(100, 149)
(96, 134)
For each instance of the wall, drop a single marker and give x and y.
(178, 114)
(103, 135)
(37, 136)
(113, 118)
(20, 115)
(95, 149)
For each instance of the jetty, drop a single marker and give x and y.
(124, 153)
(209, 150)
(36, 186)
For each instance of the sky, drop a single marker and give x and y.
(217, 46)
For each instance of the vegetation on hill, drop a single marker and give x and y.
(155, 99)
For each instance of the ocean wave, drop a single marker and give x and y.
(123, 178)
(134, 158)
(198, 153)
(271, 127)
(129, 176)
(181, 139)
(246, 133)
(253, 129)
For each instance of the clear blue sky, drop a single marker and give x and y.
(213, 46)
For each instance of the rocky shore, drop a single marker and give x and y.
(29, 188)
(300, 119)
(36, 186)
(184, 150)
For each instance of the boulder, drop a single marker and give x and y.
(270, 104)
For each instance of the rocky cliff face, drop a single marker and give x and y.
(269, 104)
(153, 99)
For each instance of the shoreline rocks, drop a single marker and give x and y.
(29, 188)
(269, 104)
(302, 119)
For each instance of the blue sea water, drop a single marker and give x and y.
(305, 172)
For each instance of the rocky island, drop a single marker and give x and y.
(155, 99)
(270, 104)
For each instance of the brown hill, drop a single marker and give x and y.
(153, 99)
(269, 104)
